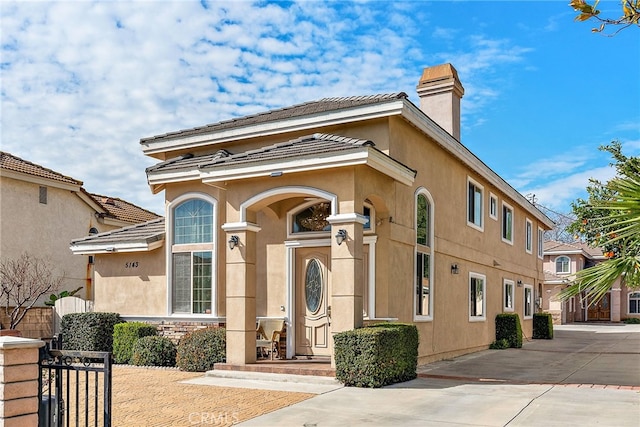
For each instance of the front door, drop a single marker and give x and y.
(600, 310)
(313, 295)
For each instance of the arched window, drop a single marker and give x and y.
(192, 266)
(634, 303)
(563, 264)
(423, 296)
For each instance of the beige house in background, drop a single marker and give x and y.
(561, 262)
(42, 210)
(328, 214)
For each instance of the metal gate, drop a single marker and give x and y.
(75, 388)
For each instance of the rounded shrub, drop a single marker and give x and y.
(154, 351)
(199, 350)
(125, 335)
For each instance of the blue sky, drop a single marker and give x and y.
(83, 81)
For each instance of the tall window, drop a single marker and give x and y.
(508, 291)
(528, 301)
(563, 264)
(634, 303)
(477, 297)
(192, 257)
(493, 206)
(540, 243)
(474, 204)
(424, 256)
(507, 223)
(528, 236)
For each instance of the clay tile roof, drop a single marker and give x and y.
(147, 232)
(307, 108)
(577, 246)
(123, 210)
(16, 164)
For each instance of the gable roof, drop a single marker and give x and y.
(134, 238)
(552, 247)
(9, 162)
(122, 210)
(312, 152)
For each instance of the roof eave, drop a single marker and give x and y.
(115, 247)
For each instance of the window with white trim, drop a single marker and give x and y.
(477, 297)
(563, 265)
(507, 223)
(540, 243)
(475, 200)
(493, 206)
(423, 295)
(634, 303)
(507, 295)
(528, 302)
(528, 236)
(192, 266)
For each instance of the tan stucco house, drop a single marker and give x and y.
(42, 210)
(561, 263)
(328, 214)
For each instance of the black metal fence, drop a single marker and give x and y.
(75, 388)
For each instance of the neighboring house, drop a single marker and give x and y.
(561, 263)
(41, 211)
(329, 214)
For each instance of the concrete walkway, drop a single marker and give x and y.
(588, 375)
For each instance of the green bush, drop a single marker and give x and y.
(200, 349)
(88, 331)
(500, 344)
(377, 355)
(125, 336)
(542, 326)
(508, 327)
(632, 321)
(154, 351)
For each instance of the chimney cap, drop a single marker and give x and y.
(438, 72)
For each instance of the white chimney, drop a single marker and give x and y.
(440, 92)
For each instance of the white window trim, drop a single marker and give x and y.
(528, 236)
(504, 294)
(555, 265)
(540, 240)
(482, 318)
(629, 303)
(214, 256)
(524, 300)
(481, 187)
(508, 206)
(493, 201)
(416, 317)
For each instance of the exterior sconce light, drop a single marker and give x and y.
(233, 242)
(454, 269)
(341, 236)
(519, 282)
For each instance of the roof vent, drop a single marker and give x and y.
(110, 201)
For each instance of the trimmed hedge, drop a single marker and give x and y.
(377, 355)
(125, 336)
(508, 327)
(542, 326)
(88, 331)
(153, 351)
(200, 349)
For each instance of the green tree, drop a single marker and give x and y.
(610, 220)
(630, 14)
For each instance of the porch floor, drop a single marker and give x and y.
(316, 366)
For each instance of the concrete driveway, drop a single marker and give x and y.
(587, 375)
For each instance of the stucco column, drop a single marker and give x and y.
(19, 381)
(347, 275)
(615, 301)
(241, 294)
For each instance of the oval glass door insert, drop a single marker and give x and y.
(313, 285)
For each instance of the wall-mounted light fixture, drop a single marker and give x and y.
(233, 241)
(519, 282)
(341, 236)
(454, 269)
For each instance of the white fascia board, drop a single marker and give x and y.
(295, 124)
(416, 117)
(387, 166)
(106, 248)
(5, 173)
(155, 178)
